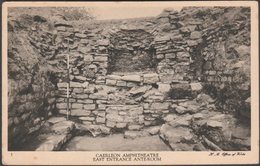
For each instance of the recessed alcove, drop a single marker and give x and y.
(131, 51)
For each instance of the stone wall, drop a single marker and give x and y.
(31, 87)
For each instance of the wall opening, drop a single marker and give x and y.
(131, 51)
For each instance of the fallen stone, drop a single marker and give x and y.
(104, 129)
(154, 130)
(179, 138)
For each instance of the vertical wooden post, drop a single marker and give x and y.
(68, 82)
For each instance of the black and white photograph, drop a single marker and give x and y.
(129, 78)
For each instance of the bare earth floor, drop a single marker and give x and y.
(116, 142)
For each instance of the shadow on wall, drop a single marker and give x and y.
(130, 51)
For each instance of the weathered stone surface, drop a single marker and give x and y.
(114, 118)
(104, 129)
(89, 106)
(214, 124)
(110, 124)
(196, 86)
(76, 112)
(133, 134)
(151, 78)
(195, 35)
(80, 35)
(154, 130)
(101, 120)
(110, 82)
(160, 106)
(100, 58)
(121, 83)
(139, 90)
(62, 85)
(134, 127)
(63, 132)
(114, 77)
(121, 125)
(75, 85)
(87, 118)
(175, 135)
(134, 78)
(164, 87)
(100, 96)
(77, 106)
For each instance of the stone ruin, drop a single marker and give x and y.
(183, 75)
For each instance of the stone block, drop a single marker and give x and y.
(195, 35)
(61, 28)
(151, 78)
(85, 101)
(114, 77)
(134, 127)
(170, 55)
(159, 56)
(89, 106)
(62, 85)
(77, 106)
(89, 90)
(80, 96)
(121, 83)
(100, 58)
(104, 129)
(160, 106)
(75, 85)
(111, 82)
(114, 118)
(121, 125)
(87, 118)
(88, 58)
(78, 90)
(103, 42)
(100, 120)
(80, 78)
(196, 86)
(76, 112)
(164, 87)
(110, 124)
(134, 78)
(62, 105)
(80, 35)
(99, 96)
(131, 84)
